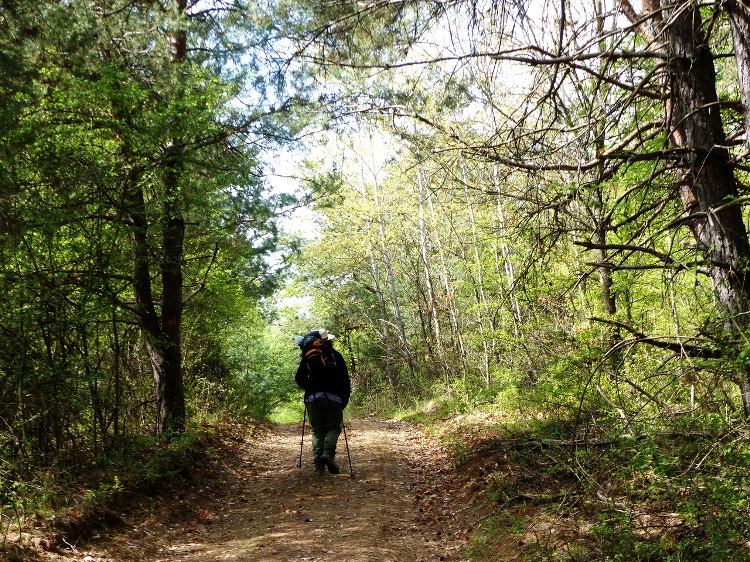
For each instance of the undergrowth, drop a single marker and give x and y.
(76, 498)
(666, 497)
(674, 492)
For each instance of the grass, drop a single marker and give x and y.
(288, 412)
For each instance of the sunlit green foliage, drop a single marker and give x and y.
(93, 115)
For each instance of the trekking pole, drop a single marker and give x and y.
(301, 441)
(348, 456)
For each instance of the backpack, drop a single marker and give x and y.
(322, 370)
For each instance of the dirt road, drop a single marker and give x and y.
(402, 505)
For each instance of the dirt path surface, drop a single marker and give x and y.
(404, 504)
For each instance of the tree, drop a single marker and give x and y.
(618, 119)
(191, 141)
(131, 200)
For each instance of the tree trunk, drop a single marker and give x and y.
(389, 371)
(404, 348)
(488, 343)
(170, 397)
(507, 263)
(162, 338)
(739, 21)
(457, 338)
(432, 306)
(170, 394)
(708, 185)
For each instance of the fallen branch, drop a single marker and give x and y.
(538, 441)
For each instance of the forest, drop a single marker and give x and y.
(533, 213)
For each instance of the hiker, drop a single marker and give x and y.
(323, 375)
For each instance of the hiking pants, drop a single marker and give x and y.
(326, 417)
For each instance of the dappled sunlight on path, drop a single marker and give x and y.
(264, 508)
(291, 514)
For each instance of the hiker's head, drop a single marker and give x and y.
(324, 335)
(305, 341)
(320, 334)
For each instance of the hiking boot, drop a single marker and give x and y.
(333, 468)
(319, 468)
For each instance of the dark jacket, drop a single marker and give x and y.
(340, 387)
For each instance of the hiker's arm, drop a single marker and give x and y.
(346, 392)
(301, 377)
(346, 384)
